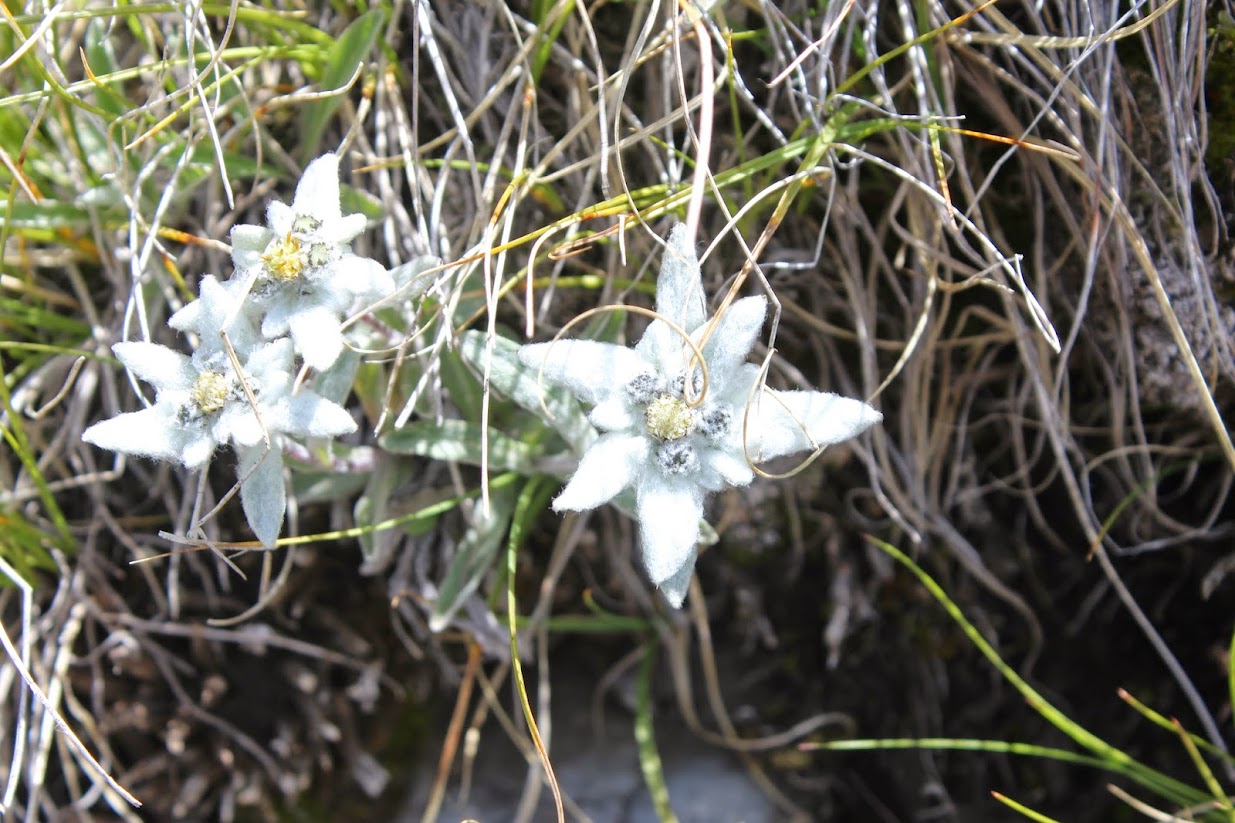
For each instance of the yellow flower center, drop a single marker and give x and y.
(283, 258)
(209, 392)
(669, 418)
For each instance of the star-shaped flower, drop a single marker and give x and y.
(200, 405)
(217, 304)
(301, 269)
(672, 445)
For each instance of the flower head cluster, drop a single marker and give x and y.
(293, 283)
(674, 436)
(301, 271)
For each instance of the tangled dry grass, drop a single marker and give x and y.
(999, 224)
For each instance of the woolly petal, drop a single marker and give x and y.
(198, 448)
(341, 229)
(735, 391)
(729, 468)
(679, 300)
(613, 414)
(613, 463)
(669, 513)
(679, 288)
(734, 337)
(205, 317)
(674, 589)
(662, 346)
(237, 423)
(271, 362)
(278, 316)
(382, 282)
(248, 244)
(587, 369)
(151, 432)
(316, 333)
(157, 365)
(787, 422)
(366, 278)
(333, 293)
(279, 217)
(334, 286)
(309, 415)
(240, 289)
(204, 314)
(263, 495)
(317, 193)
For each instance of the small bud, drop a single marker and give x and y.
(643, 388)
(677, 458)
(714, 423)
(319, 254)
(305, 224)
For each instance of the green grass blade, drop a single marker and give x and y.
(548, 30)
(965, 745)
(528, 507)
(1230, 669)
(15, 436)
(22, 544)
(348, 53)
(645, 738)
(473, 556)
(1023, 809)
(1221, 801)
(1115, 759)
(1167, 724)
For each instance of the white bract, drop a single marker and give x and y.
(205, 316)
(201, 405)
(675, 444)
(300, 269)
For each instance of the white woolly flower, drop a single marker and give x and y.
(204, 317)
(200, 405)
(303, 275)
(664, 442)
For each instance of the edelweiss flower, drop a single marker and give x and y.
(302, 272)
(673, 445)
(205, 316)
(201, 405)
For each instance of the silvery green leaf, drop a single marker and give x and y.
(413, 278)
(373, 507)
(462, 384)
(263, 493)
(315, 486)
(512, 379)
(474, 555)
(335, 383)
(350, 51)
(460, 440)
